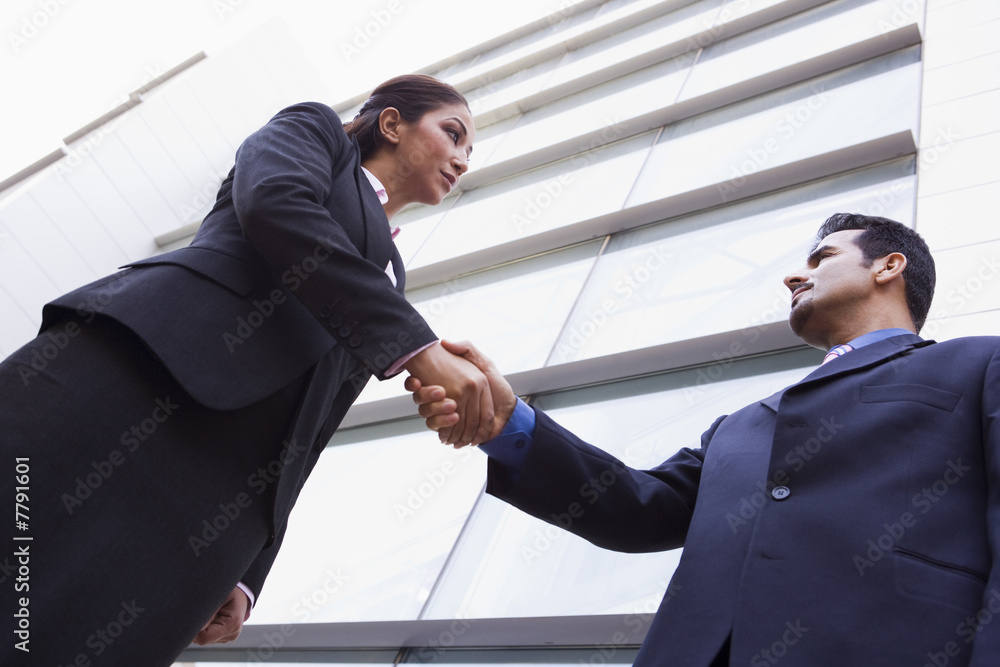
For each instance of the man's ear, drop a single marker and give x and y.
(889, 267)
(388, 124)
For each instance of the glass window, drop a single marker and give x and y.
(583, 187)
(559, 26)
(807, 35)
(508, 564)
(638, 41)
(717, 271)
(858, 104)
(372, 551)
(512, 313)
(609, 105)
(491, 94)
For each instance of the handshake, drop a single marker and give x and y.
(460, 392)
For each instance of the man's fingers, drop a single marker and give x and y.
(471, 416)
(439, 422)
(443, 407)
(486, 414)
(461, 347)
(429, 394)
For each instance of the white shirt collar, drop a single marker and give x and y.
(376, 184)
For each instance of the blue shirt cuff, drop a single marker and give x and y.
(510, 448)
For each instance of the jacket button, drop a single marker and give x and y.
(780, 492)
(354, 340)
(326, 311)
(335, 320)
(344, 331)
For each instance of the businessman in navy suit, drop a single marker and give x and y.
(875, 541)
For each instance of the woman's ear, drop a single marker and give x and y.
(388, 124)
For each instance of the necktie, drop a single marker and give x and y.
(837, 351)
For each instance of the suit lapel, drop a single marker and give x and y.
(859, 359)
(398, 270)
(379, 247)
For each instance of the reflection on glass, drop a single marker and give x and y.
(508, 564)
(676, 26)
(809, 34)
(492, 93)
(512, 313)
(372, 528)
(718, 271)
(858, 104)
(580, 188)
(610, 106)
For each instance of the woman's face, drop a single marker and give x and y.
(433, 153)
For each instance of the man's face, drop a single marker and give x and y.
(828, 290)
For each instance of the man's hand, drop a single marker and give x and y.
(466, 385)
(227, 623)
(440, 412)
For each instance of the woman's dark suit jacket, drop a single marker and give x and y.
(285, 280)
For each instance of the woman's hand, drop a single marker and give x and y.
(441, 412)
(464, 384)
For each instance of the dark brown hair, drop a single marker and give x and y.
(881, 237)
(412, 94)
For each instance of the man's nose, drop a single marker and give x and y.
(793, 280)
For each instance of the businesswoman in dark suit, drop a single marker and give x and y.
(167, 416)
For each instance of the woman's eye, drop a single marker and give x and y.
(453, 134)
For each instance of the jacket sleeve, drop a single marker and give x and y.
(576, 486)
(286, 182)
(261, 565)
(986, 645)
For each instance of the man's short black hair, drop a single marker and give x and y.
(882, 236)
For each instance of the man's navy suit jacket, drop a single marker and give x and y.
(284, 281)
(850, 519)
